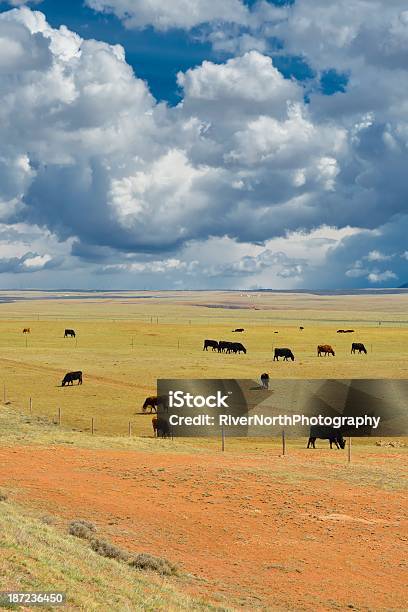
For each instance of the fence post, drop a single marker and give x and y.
(349, 450)
(4, 392)
(92, 426)
(283, 442)
(31, 405)
(130, 429)
(59, 416)
(222, 438)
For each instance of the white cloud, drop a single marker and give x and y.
(37, 261)
(377, 256)
(284, 192)
(378, 277)
(161, 15)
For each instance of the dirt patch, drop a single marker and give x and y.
(247, 536)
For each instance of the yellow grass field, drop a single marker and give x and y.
(126, 340)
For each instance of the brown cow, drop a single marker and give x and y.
(325, 349)
(26, 330)
(161, 427)
(154, 424)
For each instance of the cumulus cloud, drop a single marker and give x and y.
(243, 166)
(184, 14)
(20, 2)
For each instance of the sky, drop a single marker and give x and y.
(197, 145)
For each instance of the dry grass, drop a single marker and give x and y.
(82, 529)
(122, 352)
(36, 557)
(106, 549)
(147, 562)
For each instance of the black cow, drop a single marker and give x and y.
(70, 377)
(358, 346)
(236, 347)
(150, 402)
(70, 333)
(212, 343)
(301, 328)
(265, 380)
(161, 427)
(349, 331)
(285, 353)
(325, 432)
(223, 346)
(239, 329)
(341, 331)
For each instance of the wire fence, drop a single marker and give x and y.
(257, 319)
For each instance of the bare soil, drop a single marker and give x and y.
(253, 531)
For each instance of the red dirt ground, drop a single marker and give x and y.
(254, 530)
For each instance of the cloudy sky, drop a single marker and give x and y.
(193, 144)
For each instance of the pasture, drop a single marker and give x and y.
(125, 342)
(248, 528)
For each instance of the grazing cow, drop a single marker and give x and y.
(70, 333)
(152, 402)
(325, 349)
(276, 332)
(325, 432)
(265, 380)
(341, 331)
(212, 343)
(70, 377)
(301, 328)
(283, 352)
(358, 346)
(223, 346)
(26, 330)
(161, 428)
(239, 329)
(236, 347)
(349, 331)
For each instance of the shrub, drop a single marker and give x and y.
(106, 549)
(82, 529)
(145, 561)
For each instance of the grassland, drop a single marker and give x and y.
(249, 528)
(125, 342)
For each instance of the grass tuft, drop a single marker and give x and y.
(145, 561)
(106, 549)
(82, 529)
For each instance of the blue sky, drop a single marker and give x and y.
(235, 144)
(157, 56)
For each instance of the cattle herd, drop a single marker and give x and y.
(161, 426)
(222, 346)
(69, 377)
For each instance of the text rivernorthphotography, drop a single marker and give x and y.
(281, 420)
